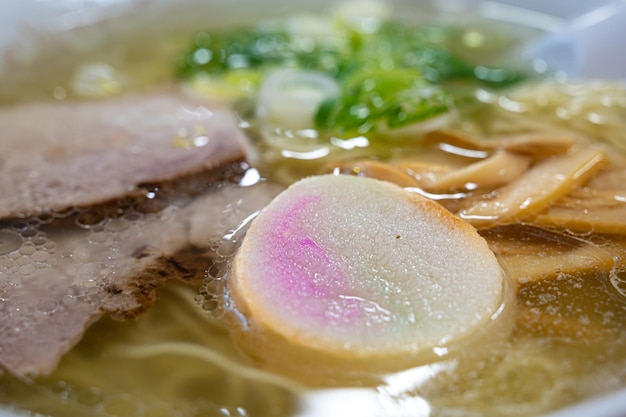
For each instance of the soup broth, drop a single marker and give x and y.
(568, 340)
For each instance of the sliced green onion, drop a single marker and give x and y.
(388, 78)
(289, 98)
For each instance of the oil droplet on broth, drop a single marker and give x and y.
(10, 242)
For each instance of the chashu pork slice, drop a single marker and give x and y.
(58, 278)
(59, 155)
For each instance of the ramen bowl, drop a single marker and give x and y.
(51, 49)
